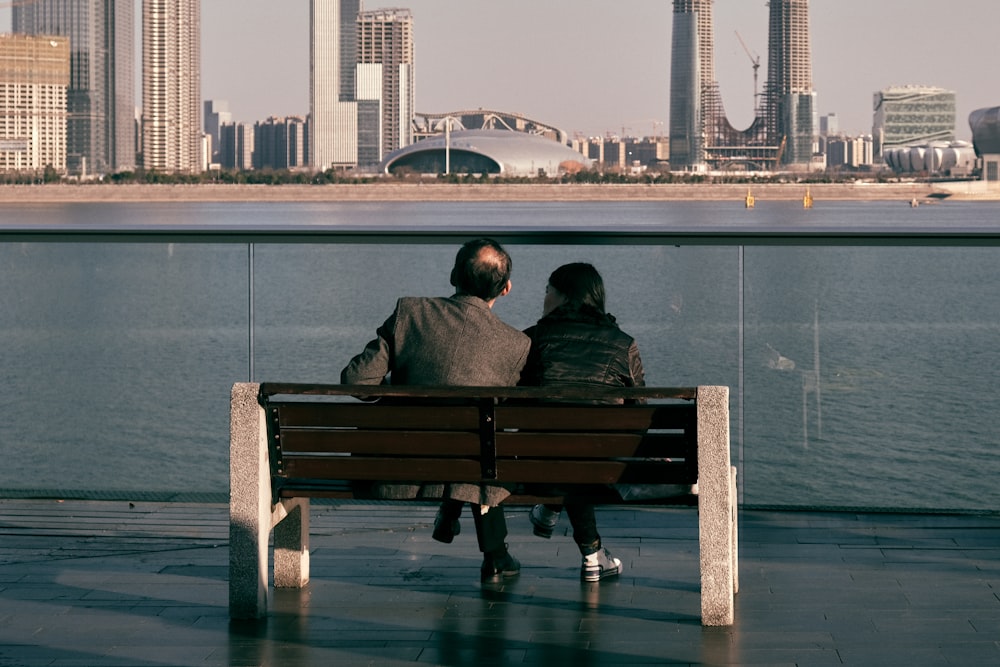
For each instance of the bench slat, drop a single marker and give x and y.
(466, 470)
(593, 417)
(592, 445)
(423, 443)
(362, 468)
(446, 443)
(376, 415)
(465, 417)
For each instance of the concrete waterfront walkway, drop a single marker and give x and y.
(95, 583)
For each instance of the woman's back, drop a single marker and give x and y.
(579, 345)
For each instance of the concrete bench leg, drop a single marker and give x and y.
(291, 545)
(716, 509)
(249, 504)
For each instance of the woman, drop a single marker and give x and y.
(577, 343)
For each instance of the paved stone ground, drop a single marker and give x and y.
(109, 583)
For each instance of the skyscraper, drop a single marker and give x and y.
(791, 101)
(333, 50)
(385, 90)
(171, 85)
(692, 73)
(100, 133)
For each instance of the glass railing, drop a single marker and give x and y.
(861, 367)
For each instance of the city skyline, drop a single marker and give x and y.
(607, 88)
(596, 67)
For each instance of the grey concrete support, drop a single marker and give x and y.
(249, 504)
(291, 545)
(716, 509)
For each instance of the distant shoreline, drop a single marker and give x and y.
(496, 192)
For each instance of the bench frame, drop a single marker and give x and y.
(256, 508)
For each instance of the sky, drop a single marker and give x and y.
(599, 67)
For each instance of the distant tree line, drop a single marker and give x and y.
(331, 176)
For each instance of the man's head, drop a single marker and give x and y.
(482, 268)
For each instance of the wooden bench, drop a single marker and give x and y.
(292, 442)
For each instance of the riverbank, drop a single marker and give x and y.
(489, 192)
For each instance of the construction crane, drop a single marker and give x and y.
(755, 60)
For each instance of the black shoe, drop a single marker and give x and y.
(497, 569)
(543, 520)
(445, 530)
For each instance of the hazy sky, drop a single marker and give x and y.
(598, 66)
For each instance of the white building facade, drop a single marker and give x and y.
(171, 86)
(34, 78)
(333, 109)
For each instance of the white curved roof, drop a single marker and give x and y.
(516, 153)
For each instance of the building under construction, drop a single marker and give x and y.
(782, 133)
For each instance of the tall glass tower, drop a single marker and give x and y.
(171, 86)
(333, 56)
(791, 101)
(100, 126)
(692, 74)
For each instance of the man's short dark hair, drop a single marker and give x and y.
(482, 268)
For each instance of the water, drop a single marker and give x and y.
(119, 357)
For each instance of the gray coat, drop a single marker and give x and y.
(455, 341)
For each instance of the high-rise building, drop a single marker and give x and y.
(692, 73)
(100, 133)
(171, 85)
(385, 90)
(216, 115)
(829, 125)
(333, 56)
(791, 101)
(911, 116)
(700, 132)
(279, 143)
(34, 78)
(236, 146)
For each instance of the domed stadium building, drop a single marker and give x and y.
(494, 152)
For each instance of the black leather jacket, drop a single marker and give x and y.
(579, 345)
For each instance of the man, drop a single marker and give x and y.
(455, 340)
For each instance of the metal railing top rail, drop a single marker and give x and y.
(701, 235)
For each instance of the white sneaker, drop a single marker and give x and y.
(600, 565)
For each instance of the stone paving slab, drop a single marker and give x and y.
(113, 583)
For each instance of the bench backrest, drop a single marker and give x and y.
(519, 435)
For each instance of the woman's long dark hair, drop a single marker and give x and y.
(580, 283)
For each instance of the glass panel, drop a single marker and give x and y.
(317, 306)
(119, 359)
(870, 377)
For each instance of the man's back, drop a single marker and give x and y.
(454, 340)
